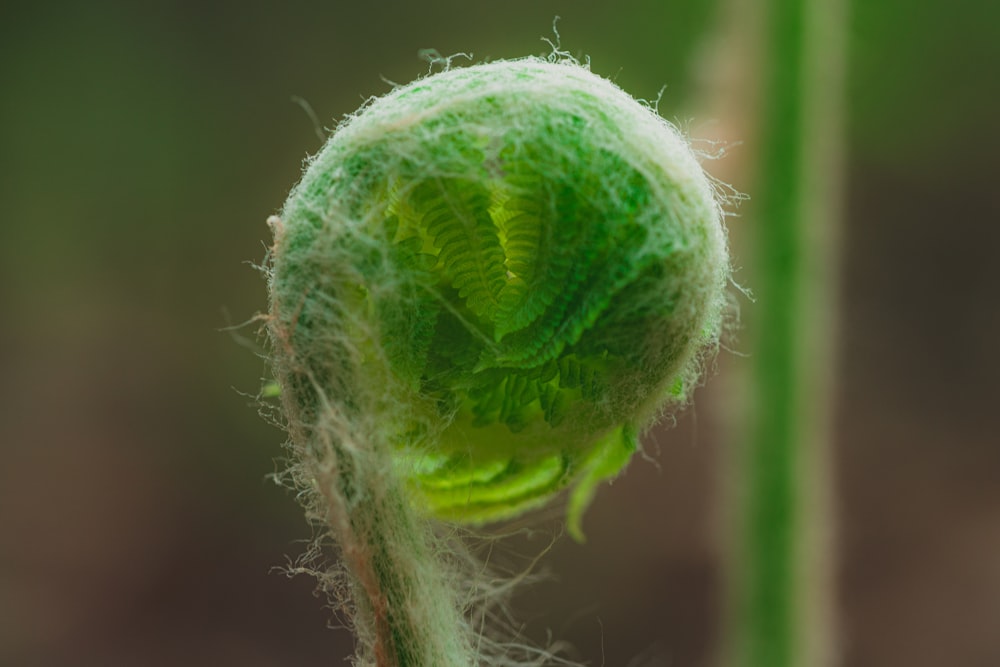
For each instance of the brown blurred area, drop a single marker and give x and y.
(141, 150)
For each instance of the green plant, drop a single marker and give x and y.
(781, 590)
(485, 286)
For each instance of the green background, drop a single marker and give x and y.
(142, 147)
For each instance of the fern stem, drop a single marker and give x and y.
(407, 611)
(784, 579)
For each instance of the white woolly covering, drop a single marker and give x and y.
(487, 283)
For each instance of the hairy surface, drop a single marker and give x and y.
(486, 285)
(530, 257)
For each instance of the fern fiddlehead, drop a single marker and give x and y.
(485, 286)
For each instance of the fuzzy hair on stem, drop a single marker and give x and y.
(486, 285)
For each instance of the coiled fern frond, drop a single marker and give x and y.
(485, 286)
(523, 258)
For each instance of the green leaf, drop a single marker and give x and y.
(605, 460)
(455, 214)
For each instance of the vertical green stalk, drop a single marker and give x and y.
(783, 578)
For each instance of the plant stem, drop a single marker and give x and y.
(784, 570)
(406, 609)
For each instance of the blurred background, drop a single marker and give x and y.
(142, 147)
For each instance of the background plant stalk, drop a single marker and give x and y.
(782, 549)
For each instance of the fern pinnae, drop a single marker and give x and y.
(456, 216)
(531, 228)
